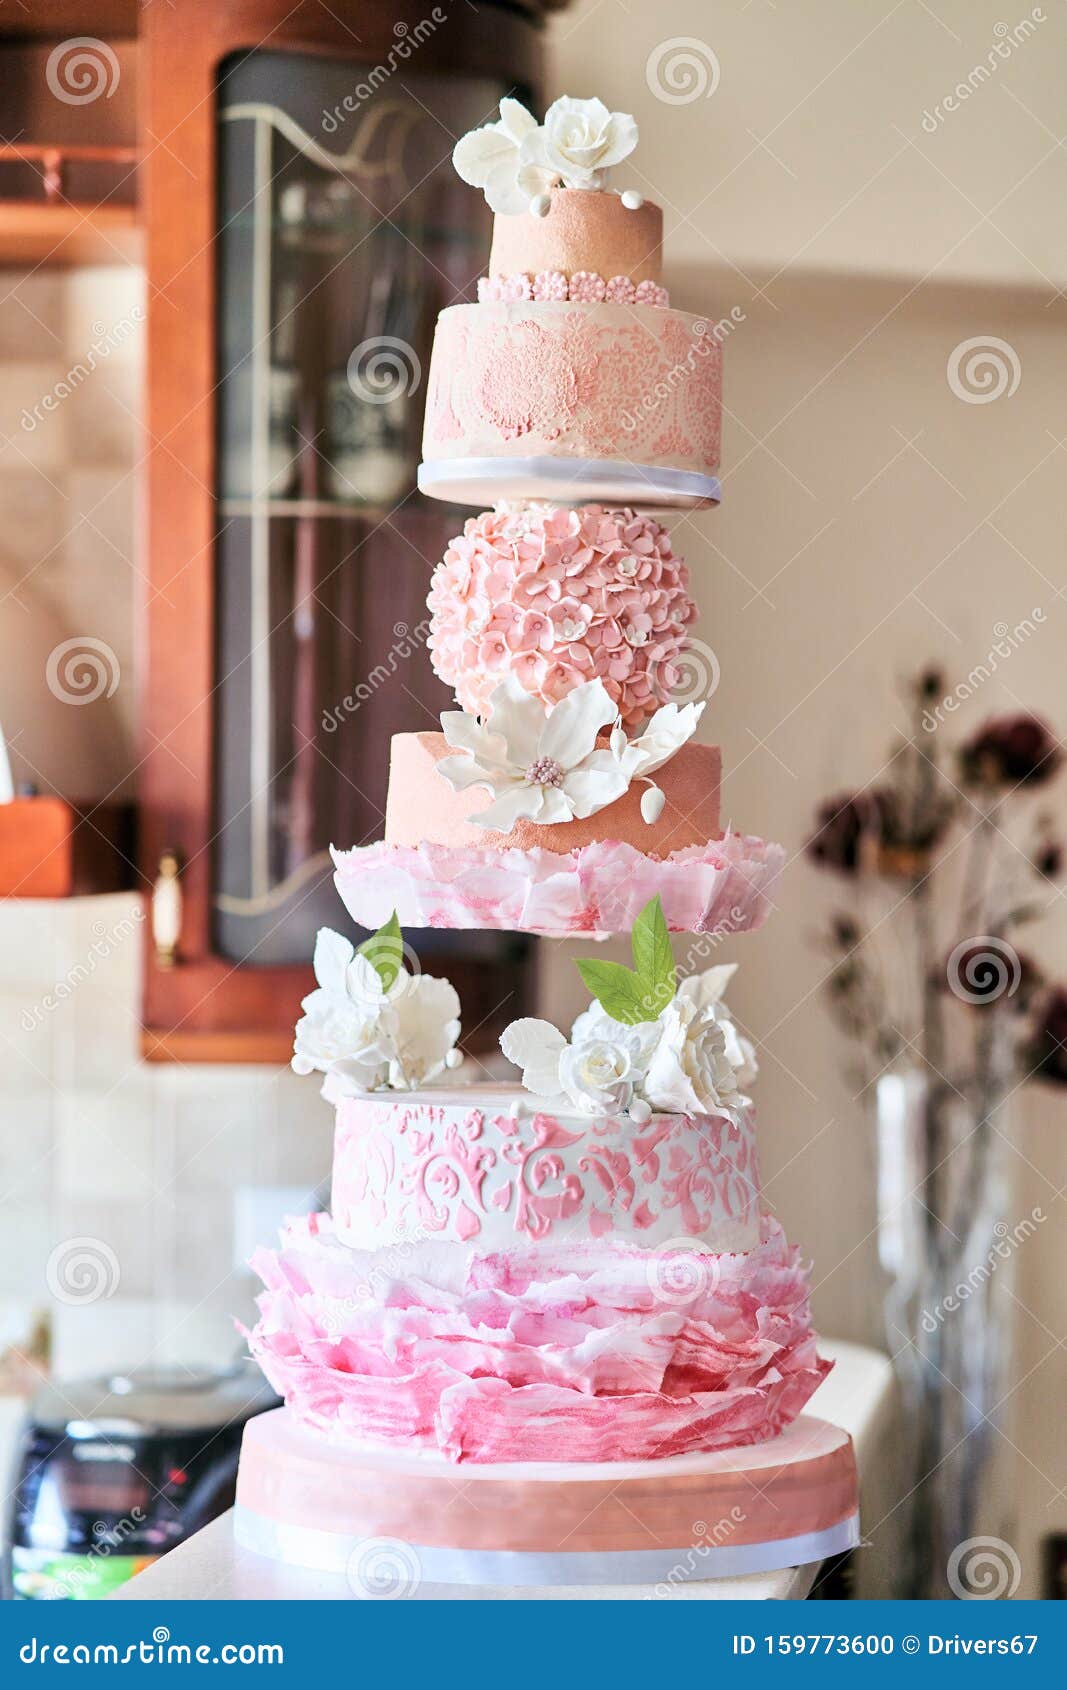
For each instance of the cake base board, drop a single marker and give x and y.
(567, 481)
(382, 1517)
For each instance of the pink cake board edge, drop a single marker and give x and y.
(786, 1502)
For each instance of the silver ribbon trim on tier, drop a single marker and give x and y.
(374, 1566)
(561, 480)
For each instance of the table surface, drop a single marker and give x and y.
(857, 1395)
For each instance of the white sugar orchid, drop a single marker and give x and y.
(548, 767)
(669, 728)
(368, 1026)
(489, 158)
(580, 139)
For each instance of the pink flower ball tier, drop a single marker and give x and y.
(557, 597)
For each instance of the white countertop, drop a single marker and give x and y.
(858, 1395)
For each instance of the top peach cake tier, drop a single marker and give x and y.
(581, 230)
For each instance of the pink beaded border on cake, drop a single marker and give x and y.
(584, 287)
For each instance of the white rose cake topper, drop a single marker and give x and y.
(517, 163)
(646, 1044)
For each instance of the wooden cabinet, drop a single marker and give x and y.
(303, 228)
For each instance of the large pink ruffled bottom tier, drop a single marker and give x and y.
(721, 887)
(590, 1352)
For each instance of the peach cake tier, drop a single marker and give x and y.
(572, 379)
(437, 868)
(501, 1282)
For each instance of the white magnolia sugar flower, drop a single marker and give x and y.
(547, 767)
(488, 158)
(364, 1033)
(580, 139)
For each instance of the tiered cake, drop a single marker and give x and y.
(567, 1289)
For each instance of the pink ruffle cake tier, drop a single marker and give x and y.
(581, 231)
(573, 402)
(546, 1353)
(422, 806)
(721, 887)
(489, 1166)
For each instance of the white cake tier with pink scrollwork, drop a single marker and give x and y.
(493, 1167)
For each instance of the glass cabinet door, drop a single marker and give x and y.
(343, 231)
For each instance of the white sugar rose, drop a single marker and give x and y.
(639, 1039)
(349, 1017)
(690, 1071)
(427, 1027)
(580, 139)
(364, 1035)
(597, 1076)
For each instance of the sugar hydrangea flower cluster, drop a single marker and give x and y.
(558, 597)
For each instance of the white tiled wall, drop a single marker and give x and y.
(146, 1161)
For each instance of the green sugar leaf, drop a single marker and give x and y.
(384, 951)
(654, 959)
(617, 988)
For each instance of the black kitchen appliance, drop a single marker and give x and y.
(112, 1472)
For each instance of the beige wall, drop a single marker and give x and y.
(871, 519)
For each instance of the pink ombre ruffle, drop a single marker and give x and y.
(722, 887)
(583, 1353)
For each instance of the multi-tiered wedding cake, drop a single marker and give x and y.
(566, 1290)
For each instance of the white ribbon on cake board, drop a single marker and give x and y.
(339, 1552)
